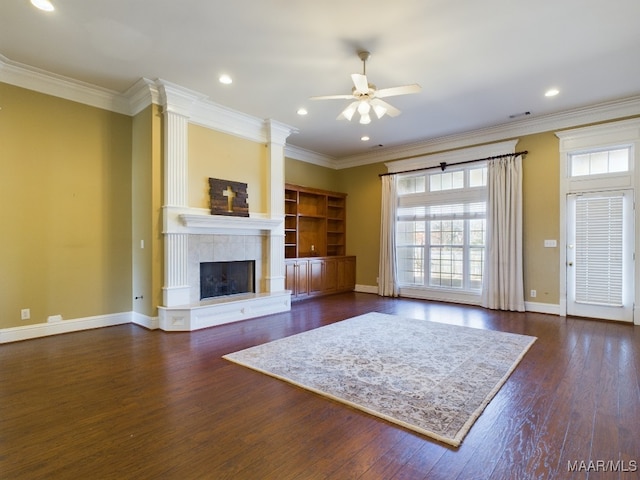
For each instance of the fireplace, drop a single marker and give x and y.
(226, 278)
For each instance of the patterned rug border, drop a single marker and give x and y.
(462, 432)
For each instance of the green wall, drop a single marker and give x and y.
(310, 175)
(541, 216)
(65, 208)
(362, 184)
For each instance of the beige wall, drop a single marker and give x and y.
(220, 155)
(146, 214)
(65, 208)
(541, 216)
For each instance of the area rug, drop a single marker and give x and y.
(433, 378)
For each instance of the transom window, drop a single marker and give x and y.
(441, 229)
(600, 162)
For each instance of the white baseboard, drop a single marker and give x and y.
(15, 334)
(151, 323)
(536, 307)
(550, 308)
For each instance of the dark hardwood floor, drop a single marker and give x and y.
(127, 403)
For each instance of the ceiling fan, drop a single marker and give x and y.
(367, 97)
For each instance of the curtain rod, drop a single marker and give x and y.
(444, 165)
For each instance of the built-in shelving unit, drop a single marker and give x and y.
(315, 242)
(314, 222)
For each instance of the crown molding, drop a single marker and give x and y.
(142, 94)
(41, 81)
(309, 156)
(278, 132)
(613, 133)
(217, 117)
(606, 111)
(206, 113)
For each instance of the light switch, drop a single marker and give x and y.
(550, 243)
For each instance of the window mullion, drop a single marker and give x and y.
(426, 255)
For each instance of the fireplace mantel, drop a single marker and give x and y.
(182, 224)
(224, 222)
(198, 221)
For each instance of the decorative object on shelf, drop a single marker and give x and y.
(228, 198)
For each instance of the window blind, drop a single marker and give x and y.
(598, 263)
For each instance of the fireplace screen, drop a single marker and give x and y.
(226, 278)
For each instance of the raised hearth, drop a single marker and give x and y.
(213, 239)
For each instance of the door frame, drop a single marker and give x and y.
(624, 133)
(607, 312)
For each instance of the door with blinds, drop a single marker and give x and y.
(600, 257)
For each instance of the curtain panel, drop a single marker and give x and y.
(503, 284)
(387, 270)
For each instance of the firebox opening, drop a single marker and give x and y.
(226, 278)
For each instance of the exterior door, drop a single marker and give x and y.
(600, 257)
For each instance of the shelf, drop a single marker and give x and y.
(317, 220)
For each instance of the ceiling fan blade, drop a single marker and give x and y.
(348, 112)
(403, 90)
(360, 82)
(380, 107)
(331, 97)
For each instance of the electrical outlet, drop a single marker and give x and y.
(25, 314)
(533, 294)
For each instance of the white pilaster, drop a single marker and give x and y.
(175, 159)
(177, 105)
(176, 250)
(277, 134)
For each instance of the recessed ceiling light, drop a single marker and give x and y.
(552, 92)
(364, 138)
(45, 5)
(302, 111)
(226, 79)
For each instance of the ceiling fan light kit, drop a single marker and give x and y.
(367, 97)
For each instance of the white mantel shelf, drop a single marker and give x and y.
(229, 222)
(199, 221)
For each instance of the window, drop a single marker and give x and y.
(441, 229)
(600, 162)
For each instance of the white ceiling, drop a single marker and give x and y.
(477, 62)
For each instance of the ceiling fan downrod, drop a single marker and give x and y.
(364, 56)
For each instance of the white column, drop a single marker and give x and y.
(177, 104)
(277, 134)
